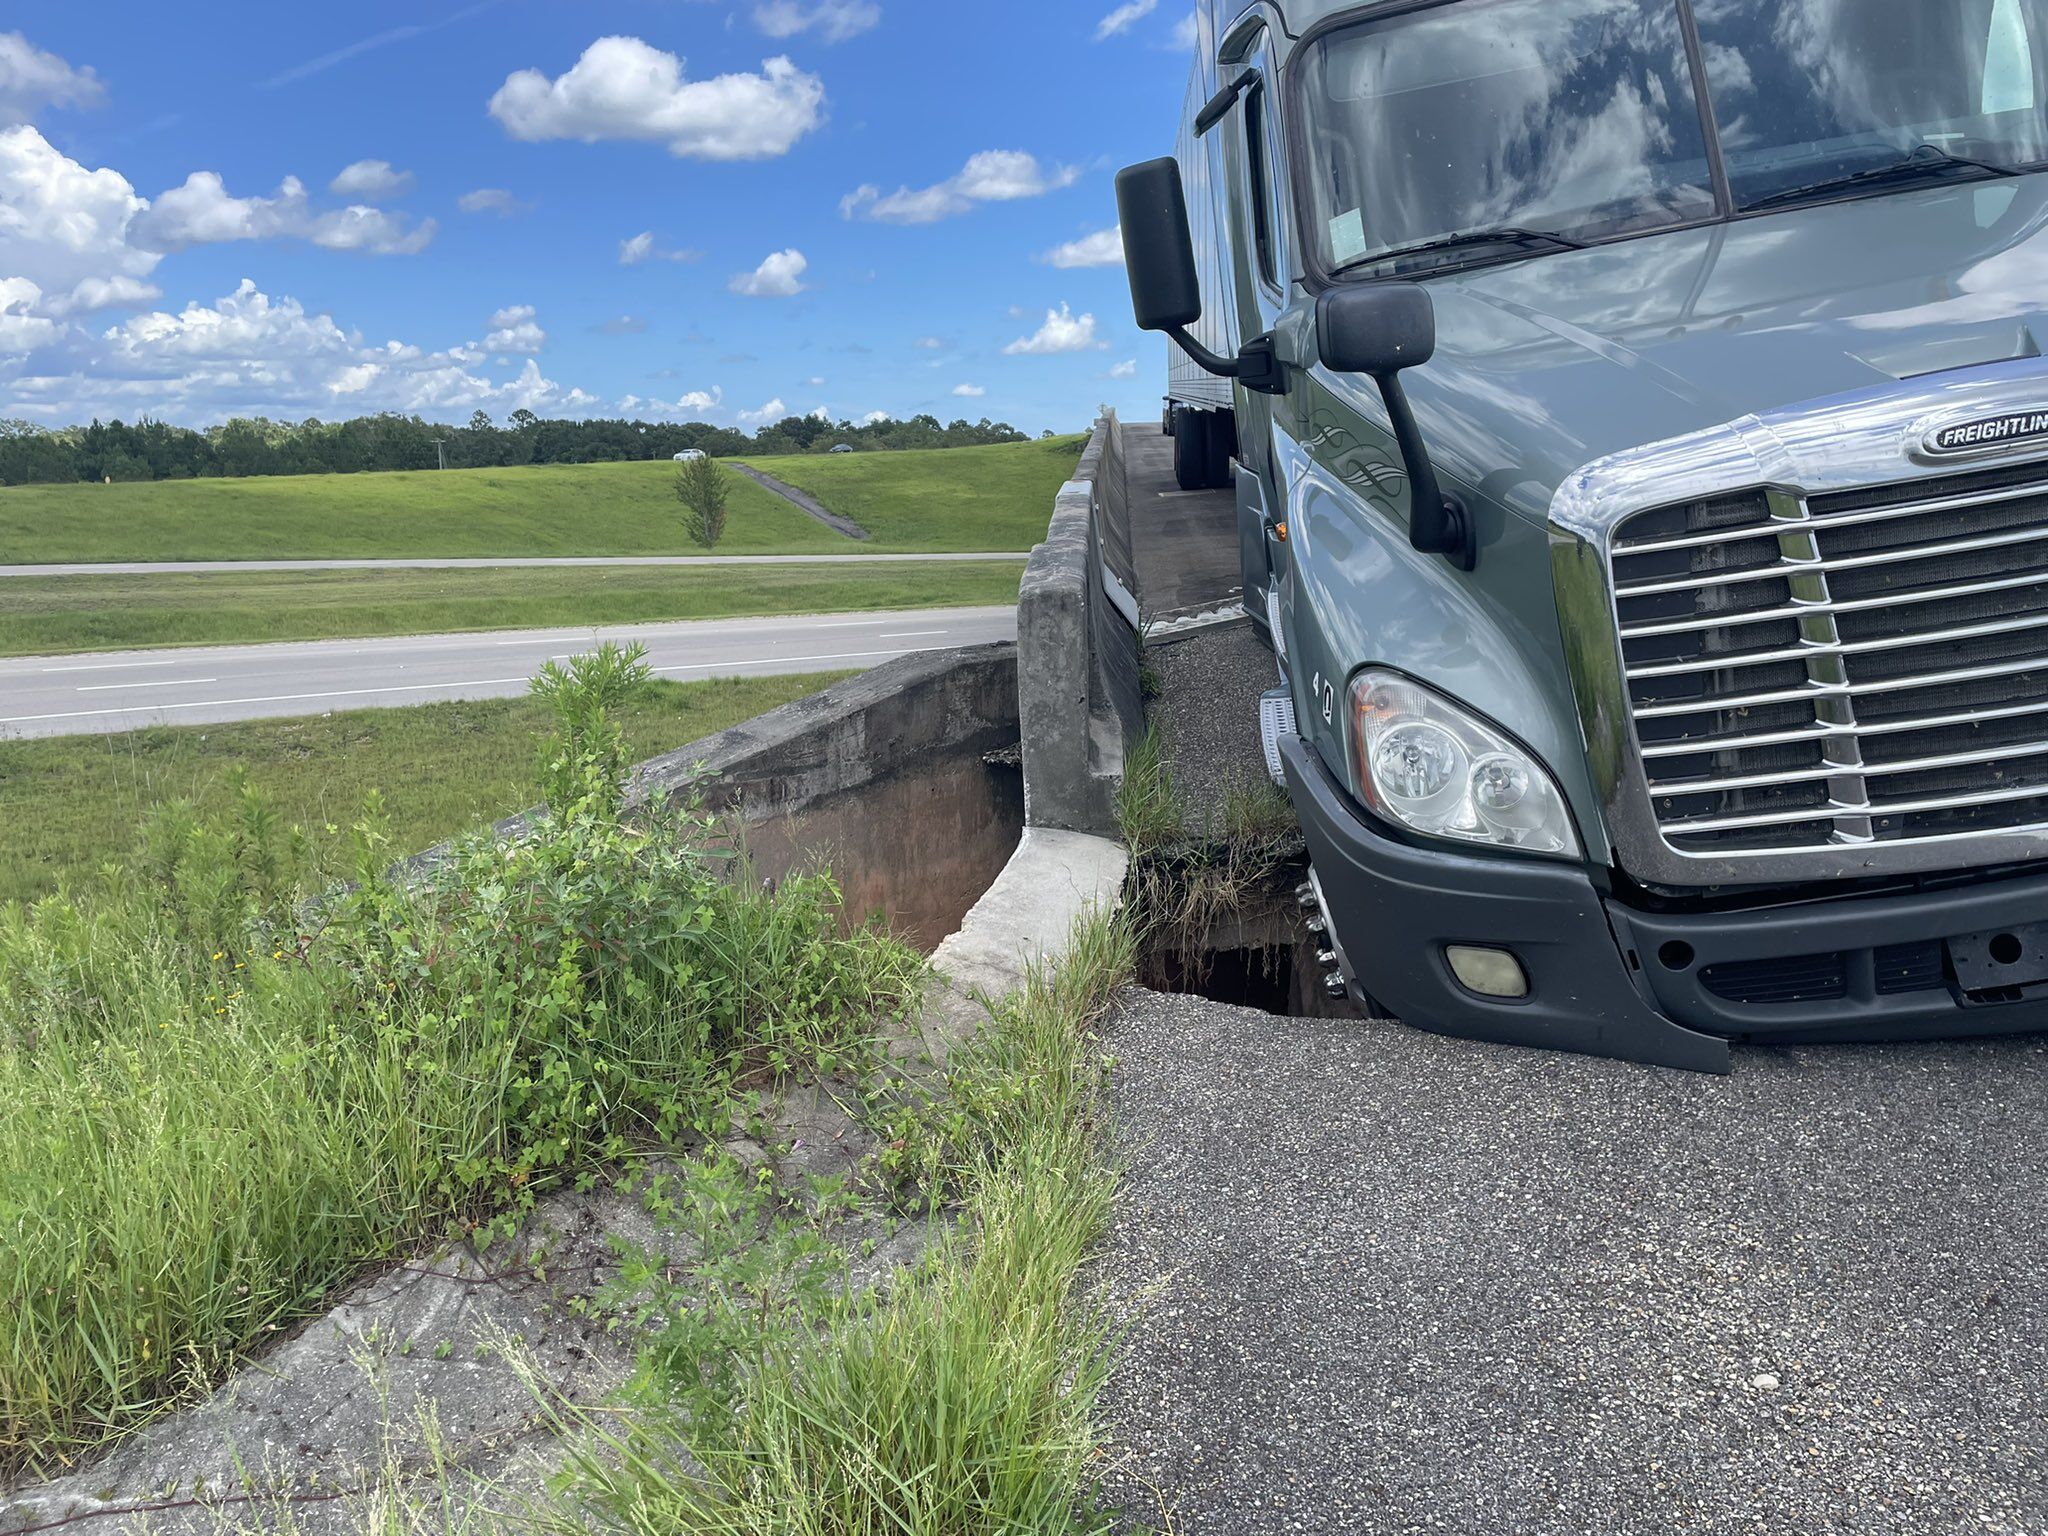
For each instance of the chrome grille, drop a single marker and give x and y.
(1862, 668)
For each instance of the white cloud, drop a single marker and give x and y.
(969, 391)
(774, 410)
(1187, 33)
(624, 89)
(875, 418)
(1125, 370)
(202, 211)
(1061, 333)
(814, 383)
(1123, 18)
(248, 353)
(821, 414)
(993, 176)
(834, 20)
(933, 343)
(780, 276)
(492, 200)
(31, 79)
(1105, 248)
(93, 293)
(22, 330)
(370, 181)
(644, 247)
(371, 231)
(513, 329)
(69, 230)
(698, 402)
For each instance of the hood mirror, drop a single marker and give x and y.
(1382, 330)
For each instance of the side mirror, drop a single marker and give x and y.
(1159, 250)
(1381, 330)
(1378, 329)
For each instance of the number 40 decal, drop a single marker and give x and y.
(1325, 697)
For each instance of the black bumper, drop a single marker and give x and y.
(1608, 980)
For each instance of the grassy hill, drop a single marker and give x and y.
(980, 498)
(960, 499)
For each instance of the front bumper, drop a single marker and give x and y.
(1608, 980)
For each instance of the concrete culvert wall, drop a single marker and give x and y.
(1079, 693)
(904, 782)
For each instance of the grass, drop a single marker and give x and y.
(73, 803)
(214, 1116)
(47, 615)
(971, 498)
(963, 1402)
(960, 499)
(565, 509)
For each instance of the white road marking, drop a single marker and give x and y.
(706, 666)
(172, 682)
(274, 698)
(118, 666)
(915, 634)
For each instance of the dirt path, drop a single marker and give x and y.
(806, 503)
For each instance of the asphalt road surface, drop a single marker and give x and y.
(1387, 1283)
(121, 691)
(228, 567)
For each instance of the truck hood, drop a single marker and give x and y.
(1546, 364)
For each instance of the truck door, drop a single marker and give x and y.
(1262, 270)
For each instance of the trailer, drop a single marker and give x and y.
(1201, 409)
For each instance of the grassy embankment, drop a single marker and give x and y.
(217, 1112)
(272, 1110)
(49, 615)
(74, 803)
(962, 500)
(948, 500)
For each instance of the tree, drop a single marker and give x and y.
(480, 422)
(700, 487)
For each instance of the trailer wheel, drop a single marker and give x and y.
(1191, 450)
(1222, 449)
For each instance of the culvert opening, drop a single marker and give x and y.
(1244, 939)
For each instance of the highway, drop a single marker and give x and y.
(122, 691)
(474, 563)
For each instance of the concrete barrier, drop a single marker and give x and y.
(1080, 703)
(903, 780)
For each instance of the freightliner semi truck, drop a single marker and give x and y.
(1639, 429)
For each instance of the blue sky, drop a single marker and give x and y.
(689, 208)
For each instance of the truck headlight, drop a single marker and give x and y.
(1434, 768)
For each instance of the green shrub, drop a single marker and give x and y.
(223, 1102)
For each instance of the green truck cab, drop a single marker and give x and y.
(1639, 429)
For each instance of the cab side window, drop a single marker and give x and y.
(1264, 174)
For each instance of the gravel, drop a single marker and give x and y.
(1384, 1282)
(1208, 711)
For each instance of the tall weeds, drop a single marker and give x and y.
(221, 1103)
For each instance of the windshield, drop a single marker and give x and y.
(1581, 117)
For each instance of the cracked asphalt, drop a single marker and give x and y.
(1383, 1282)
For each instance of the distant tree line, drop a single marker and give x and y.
(156, 450)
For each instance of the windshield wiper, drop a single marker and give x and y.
(1500, 234)
(1924, 160)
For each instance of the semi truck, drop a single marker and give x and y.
(1639, 434)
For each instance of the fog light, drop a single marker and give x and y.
(1489, 972)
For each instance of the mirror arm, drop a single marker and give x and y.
(1257, 367)
(1438, 523)
(1222, 367)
